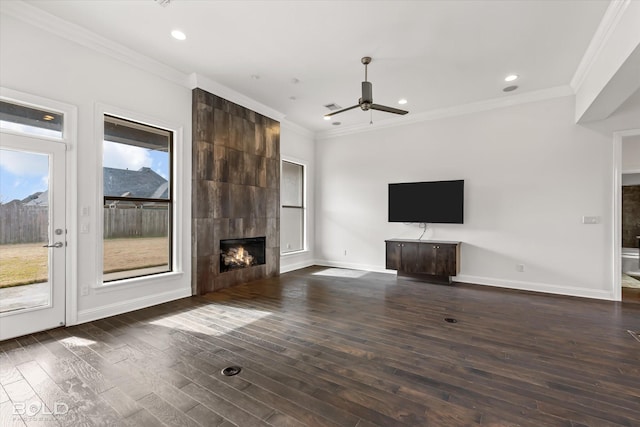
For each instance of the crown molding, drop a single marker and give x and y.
(39, 18)
(459, 110)
(296, 128)
(44, 20)
(202, 82)
(607, 26)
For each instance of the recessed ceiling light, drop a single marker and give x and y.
(511, 77)
(293, 98)
(510, 88)
(327, 117)
(402, 101)
(336, 123)
(255, 77)
(48, 117)
(178, 35)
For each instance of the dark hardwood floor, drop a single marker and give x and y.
(318, 349)
(631, 295)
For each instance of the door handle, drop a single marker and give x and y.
(55, 245)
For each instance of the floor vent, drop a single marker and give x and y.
(636, 335)
(231, 371)
(450, 320)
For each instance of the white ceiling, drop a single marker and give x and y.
(436, 54)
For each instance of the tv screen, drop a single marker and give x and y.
(432, 202)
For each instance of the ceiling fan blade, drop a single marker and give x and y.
(387, 109)
(333, 113)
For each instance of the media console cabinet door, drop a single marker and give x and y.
(410, 261)
(394, 251)
(445, 260)
(427, 254)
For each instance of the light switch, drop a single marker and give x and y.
(590, 219)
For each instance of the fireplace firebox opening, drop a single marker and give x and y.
(241, 253)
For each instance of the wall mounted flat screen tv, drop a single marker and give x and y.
(430, 202)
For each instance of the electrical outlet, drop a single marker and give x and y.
(84, 291)
(84, 211)
(84, 228)
(520, 268)
(345, 252)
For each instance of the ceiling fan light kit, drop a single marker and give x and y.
(366, 101)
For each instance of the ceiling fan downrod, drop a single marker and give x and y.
(366, 60)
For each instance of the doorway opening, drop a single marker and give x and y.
(627, 217)
(35, 244)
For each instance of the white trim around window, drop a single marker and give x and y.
(305, 192)
(179, 198)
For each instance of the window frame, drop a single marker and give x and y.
(303, 207)
(35, 108)
(175, 205)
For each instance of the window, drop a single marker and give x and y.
(30, 120)
(138, 200)
(292, 222)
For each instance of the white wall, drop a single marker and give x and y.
(530, 175)
(38, 62)
(631, 154)
(297, 145)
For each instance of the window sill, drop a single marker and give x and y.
(136, 281)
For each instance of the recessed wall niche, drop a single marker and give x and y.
(235, 189)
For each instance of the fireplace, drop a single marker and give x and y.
(235, 191)
(241, 253)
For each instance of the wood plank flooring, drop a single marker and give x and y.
(631, 295)
(320, 349)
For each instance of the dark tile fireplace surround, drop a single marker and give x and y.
(235, 192)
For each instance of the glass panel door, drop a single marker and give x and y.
(24, 222)
(32, 235)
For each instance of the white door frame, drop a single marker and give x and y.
(69, 138)
(617, 210)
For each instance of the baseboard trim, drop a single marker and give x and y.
(295, 266)
(489, 281)
(109, 310)
(536, 287)
(353, 266)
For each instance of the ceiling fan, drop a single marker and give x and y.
(366, 101)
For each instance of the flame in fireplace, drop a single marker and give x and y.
(238, 257)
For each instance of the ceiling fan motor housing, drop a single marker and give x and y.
(367, 96)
